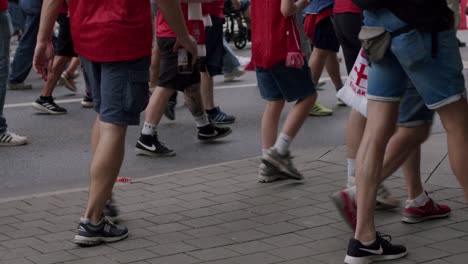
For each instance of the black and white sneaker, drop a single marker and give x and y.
(150, 146)
(381, 249)
(110, 211)
(211, 132)
(104, 232)
(217, 116)
(46, 104)
(87, 102)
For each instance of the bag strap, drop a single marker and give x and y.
(402, 30)
(293, 28)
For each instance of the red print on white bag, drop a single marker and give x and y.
(358, 77)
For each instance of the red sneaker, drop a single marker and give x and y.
(345, 202)
(430, 210)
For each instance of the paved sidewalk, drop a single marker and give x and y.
(221, 214)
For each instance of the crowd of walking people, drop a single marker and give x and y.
(135, 56)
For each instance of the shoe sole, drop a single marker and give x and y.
(13, 144)
(142, 152)
(68, 84)
(87, 105)
(40, 108)
(321, 114)
(92, 241)
(414, 220)
(216, 137)
(341, 206)
(283, 169)
(370, 259)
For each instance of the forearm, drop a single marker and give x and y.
(49, 13)
(289, 7)
(173, 15)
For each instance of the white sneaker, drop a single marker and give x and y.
(11, 139)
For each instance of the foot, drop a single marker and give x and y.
(9, 138)
(169, 112)
(217, 116)
(19, 86)
(230, 76)
(431, 210)
(268, 173)
(87, 102)
(71, 75)
(211, 132)
(110, 211)
(47, 104)
(68, 83)
(381, 249)
(384, 199)
(283, 163)
(345, 202)
(150, 146)
(320, 110)
(103, 232)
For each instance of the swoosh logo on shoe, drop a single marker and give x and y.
(214, 134)
(151, 148)
(376, 252)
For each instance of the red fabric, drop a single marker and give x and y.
(3, 5)
(64, 8)
(345, 6)
(311, 21)
(214, 8)
(163, 29)
(111, 30)
(269, 39)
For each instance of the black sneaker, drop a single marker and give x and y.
(87, 102)
(104, 232)
(169, 112)
(150, 146)
(382, 249)
(211, 132)
(110, 211)
(46, 104)
(217, 116)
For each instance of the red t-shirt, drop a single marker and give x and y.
(111, 30)
(269, 26)
(163, 29)
(214, 8)
(3, 5)
(345, 6)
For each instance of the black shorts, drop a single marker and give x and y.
(214, 47)
(347, 27)
(169, 76)
(63, 43)
(324, 36)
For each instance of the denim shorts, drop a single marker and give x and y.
(413, 111)
(119, 89)
(284, 83)
(438, 79)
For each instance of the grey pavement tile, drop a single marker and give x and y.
(174, 259)
(135, 215)
(168, 209)
(280, 228)
(89, 252)
(305, 211)
(200, 212)
(138, 191)
(55, 257)
(213, 254)
(164, 202)
(161, 187)
(3, 238)
(26, 232)
(206, 231)
(36, 207)
(214, 169)
(306, 260)
(313, 221)
(171, 248)
(240, 164)
(8, 220)
(195, 196)
(250, 177)
(441, 233)
(170, 237)
(190, 181)
(267, 208)
(298, 202)
(29, 224)
(262, 200)
(273, 218)
(231, 206)
(18, 252)
(251, 247)
(457, 259)
(167, 228)
(134, 207)
(131, 256)
(201, 203)
(34, 216)
(414, 241)
(440, 261)
(54, 237)
(100, 260)
(462, 226)
(399, 229)
(245, 235)
(421, 254)
(21, 242)
(243, 170)
(454, 246)
(222, 182)
(137, 223)
(328, 245)
(225, 190)
(256, 258)
(209, 242)
(236, 215)
(293, 252)
(16, 261)
(334, 257)
(193, 188)
(323, 232)
(140, 233)
(227, 198)
(165, 219)
(203, 221)
(130, 244)
(286, 240)
(67, 210)
(54, 246)
(161, 195)
(239, 225)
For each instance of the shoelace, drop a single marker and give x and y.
(386, 238)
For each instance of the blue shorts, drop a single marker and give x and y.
(119, 89)
(413, 112)
(284, 83)
(438, 79)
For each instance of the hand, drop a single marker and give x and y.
(43, 59)
(190, 45)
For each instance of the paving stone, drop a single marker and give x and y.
(137, 215)
(167, 228)
(236, 215)
(273, 218)
(201, 212)
(439, 261)
(306, 260)
(454, 246)
(100, 260)
(331, 257)
(225, 190)
(206, 231)
(245, 235)
(132, 256)
(26, 232)
(457, 259)
(130, 244)
(201, 203)
(21, 242)
(231, 206)
(165, 219)
(67, 210)
(213, 254)
(263, 200)
(322, 232)
(203, 221)
(228, 198)
(174, 259)
(209, 242)
(193, 188)
(239, 225)
(164, 210)
(313, 221)
(171, 248)
(18, 252)
(54, 237)
(16, 261)
(88, 252)
(286, 240)
(257, 258)
(169, 237)
(293, 252)
(298, 203)
(195, 196)
(305, 211)
(328, 245)
(279, 228)
(421, 254)
(414, 241)
(54, 246)
(250, 247)
(267, 209)
(34, 216)
(441, 234)
(55, 257)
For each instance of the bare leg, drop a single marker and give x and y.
(382, 117)
(207, 91)
(194, 100)
(105, 167)
(270, 122)
(411, 170)
(317, 62)
(59, 64)
(333, 69)
(297, 115)
(154, 68)
(74, 64)
(157, 104)
(354, 132)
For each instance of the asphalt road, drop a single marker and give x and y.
(59, 153)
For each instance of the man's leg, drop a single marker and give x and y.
(270, 123)
(230, 63)
(154, 69)
(333, 69)
(354, 131)
(317, 62)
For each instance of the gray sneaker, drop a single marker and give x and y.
(268, 172)
(283, 163)
(19, 86)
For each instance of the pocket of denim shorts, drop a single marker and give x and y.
(410, 49)
(136, 94)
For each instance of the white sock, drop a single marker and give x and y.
(351, 172)
(201, 120)
(149, 129)
(264, 152)
(282, 143)
(421, 200)
(368, 243)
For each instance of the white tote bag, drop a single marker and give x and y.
(354, 90)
